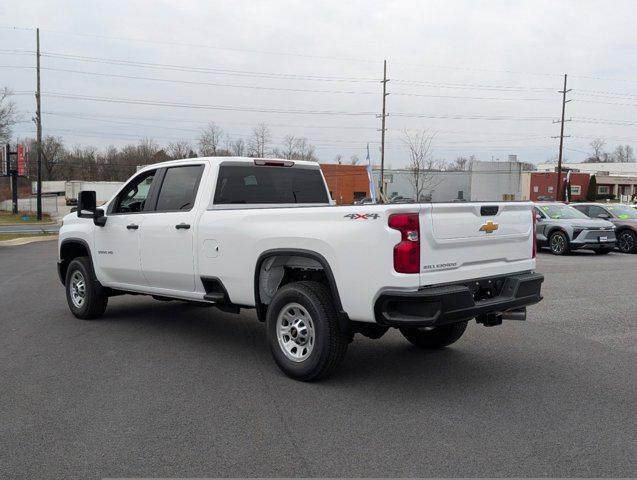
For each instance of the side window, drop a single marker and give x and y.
(582, 208)
(179, 188)
(539, 212)
(133, 198)
(595, 212)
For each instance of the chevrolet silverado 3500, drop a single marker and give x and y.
(264, 234)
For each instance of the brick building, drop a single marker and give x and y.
(541, 186)
(347, 183)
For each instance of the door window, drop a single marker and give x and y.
(179, 188)
(597, 212)
(133, 198)
(583, 209)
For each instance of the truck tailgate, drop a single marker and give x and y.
(488, 238)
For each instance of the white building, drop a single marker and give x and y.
(609, 169)
(482, 181)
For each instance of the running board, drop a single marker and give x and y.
(217, 297)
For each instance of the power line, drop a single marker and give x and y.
(133, 101)
(282, 89)
(218, 71)
(619, 104)
(472, 86)
(198, 45)
(282, 111)
(202, 122)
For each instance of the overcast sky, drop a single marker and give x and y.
(484, 76)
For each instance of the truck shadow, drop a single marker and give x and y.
(388, 363)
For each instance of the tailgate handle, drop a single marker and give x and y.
(489, 210)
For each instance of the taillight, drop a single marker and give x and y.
(534, 233)
(407, 251)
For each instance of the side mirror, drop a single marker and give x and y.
(603, 215)
(99, 219)
(87, 208)
(86, 204)
(538, 217)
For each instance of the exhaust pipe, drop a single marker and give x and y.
(514, 314)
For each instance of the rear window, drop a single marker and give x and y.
(179, 188)
(269, 185)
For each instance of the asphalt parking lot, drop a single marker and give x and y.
(172, 390)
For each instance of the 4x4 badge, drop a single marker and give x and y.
(363, 216)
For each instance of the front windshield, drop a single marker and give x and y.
(623, 212)
(561, 212)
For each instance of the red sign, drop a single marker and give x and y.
(22, 160)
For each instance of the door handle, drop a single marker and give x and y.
(132, 226)
(182, 226)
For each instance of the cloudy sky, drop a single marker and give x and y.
(483, 76)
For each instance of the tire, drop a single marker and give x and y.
(86, 297)
(627, 241)
(435, 337)
(559, 244)
(603, 251)
(303, 332)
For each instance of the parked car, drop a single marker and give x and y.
(401, 199)
(365, 201)
(562, 228)
(624, 217)
(243, 233)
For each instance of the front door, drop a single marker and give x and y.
(167, 239)
(117, 242)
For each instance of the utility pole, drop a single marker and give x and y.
(38, 123)
(13, 176)
(382, 134)
(561, 137)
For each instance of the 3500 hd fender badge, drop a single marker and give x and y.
(362, 216)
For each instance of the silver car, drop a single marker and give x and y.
(562, 228)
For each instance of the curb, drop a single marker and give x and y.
(26, 240)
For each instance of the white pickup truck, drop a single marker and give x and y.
(263, 234)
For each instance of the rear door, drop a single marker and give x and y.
(475, 240)
(166, 239)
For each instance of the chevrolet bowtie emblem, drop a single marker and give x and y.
(489, 227)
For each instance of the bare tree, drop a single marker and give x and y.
(289, 148)
(623, 153)
(147, 151)
(353, 160)
(259, 141)
(305, 150)
(53, 154)
(7, 114)
(460, 164)
(338, 159)
(236, 148)
(421, 163)
(597, 147)
(210, 140)
(179, 149)
(296, 148)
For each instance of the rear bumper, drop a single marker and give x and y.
(446, 304)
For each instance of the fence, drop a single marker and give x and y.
(29, 204)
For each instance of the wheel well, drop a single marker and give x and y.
(68, 252)
(558, 229)
(276, 269)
